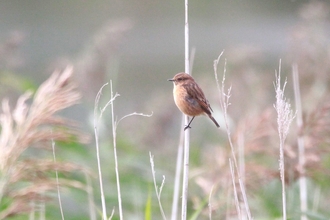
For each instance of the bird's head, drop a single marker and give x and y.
(181, 78)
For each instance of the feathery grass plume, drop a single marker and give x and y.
(283, 109)
(35, 125)
(284, 119)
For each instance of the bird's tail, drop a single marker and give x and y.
(215, 122)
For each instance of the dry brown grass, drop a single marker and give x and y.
(25, 180)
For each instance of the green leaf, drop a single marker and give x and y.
(147, 211)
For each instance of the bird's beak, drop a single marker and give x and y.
(171, 80)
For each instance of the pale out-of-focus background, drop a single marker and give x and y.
(139, 45)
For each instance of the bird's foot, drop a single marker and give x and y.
(185, 128)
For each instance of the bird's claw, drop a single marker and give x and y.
(185, 128)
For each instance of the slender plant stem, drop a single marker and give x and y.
(192, 59)
(90, 194)
(224, 102)
(178, 169)
(112, 213)
(316, 199)
(42, 209)
(158, 193)
(210, 203)
(96, 120)
(241, 157)
(32, 211)
(114, 127)
(185, 172)
(301, 147)
(186, 40)
(57, 181)
(187, 132)
(282, 178)
(114, 137)
(232, 172)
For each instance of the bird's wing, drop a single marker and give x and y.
(196, 93)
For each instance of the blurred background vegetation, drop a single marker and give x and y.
(139, 45)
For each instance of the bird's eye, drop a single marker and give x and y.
(179, 79)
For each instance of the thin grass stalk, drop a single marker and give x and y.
(158, 193)
(301, 145)
(187, 132)
(241, 157)
(241, 162)
(245, 201)
(32, 211)
(186, 39)
(57, 182)
(224, 102)
(192, 58)
(185, 170)
(228, 203)
(114, 134)
(316, 199)
(210, 203)
(90, 196)
(3, 182)
(179, 161)
(237, 205)
(112, 213)
(42, 211)
(180, 155)
(114, 137)
(96, 122)
(114, 128)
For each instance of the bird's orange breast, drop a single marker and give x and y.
(187, 107)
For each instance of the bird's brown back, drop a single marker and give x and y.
(195, 93)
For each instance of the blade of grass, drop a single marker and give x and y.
(147, 211)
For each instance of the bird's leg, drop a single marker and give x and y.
(188, 126)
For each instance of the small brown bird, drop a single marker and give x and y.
(189, 97)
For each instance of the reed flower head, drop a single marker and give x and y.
(35, 125)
